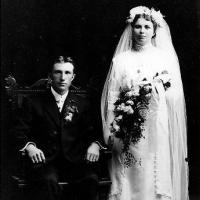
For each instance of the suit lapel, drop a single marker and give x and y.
(68, 101)
(51, 107)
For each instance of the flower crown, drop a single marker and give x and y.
(156, 16)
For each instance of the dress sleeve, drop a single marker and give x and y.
(109, 96)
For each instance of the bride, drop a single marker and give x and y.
(149, 154)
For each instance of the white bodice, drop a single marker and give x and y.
(133, 67)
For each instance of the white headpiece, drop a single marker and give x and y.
(156, 16)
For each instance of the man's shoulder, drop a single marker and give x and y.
(39, 96)
(78, 96)
(80, 99)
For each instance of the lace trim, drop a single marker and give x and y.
(163, 195)
(117, 192)
(156, 188)
(155, 174)
(114, 196)
(128, 160)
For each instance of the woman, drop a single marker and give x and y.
(143, 113)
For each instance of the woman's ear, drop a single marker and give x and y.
(154, 35)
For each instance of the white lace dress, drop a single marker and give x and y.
(150, 178)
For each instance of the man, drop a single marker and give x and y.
(55, 132)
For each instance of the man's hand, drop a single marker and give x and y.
(93, 152)
(35, 154)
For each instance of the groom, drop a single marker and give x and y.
(56, 133)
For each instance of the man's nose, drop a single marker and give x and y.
(63, 76)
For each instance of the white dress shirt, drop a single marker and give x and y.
(60, 99)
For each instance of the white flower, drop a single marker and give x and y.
(68, 117)
(118, 118)
(115, 127)
(128, 110)
(120, 107)
(137, 11)
(133, 92)
(157, 16)
(130, 102)
(147, 89)
(129, 94)
(148, 96)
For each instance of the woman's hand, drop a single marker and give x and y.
(158, 91)
(36, 155)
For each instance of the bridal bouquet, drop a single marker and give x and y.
(131, 108)
(130, 113)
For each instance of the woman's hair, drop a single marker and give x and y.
(146, 17)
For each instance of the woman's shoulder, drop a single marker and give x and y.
(159, 52)
(123, 57)
(122, 54)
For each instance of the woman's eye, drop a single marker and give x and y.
(137, 26)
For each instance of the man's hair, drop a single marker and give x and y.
(62, 59)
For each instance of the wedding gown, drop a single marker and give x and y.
(149, 178)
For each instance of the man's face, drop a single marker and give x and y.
(62, 76)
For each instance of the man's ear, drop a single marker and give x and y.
(73, 76)
(49, 76)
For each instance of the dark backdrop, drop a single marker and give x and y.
(89, 30)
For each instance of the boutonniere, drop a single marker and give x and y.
(70, 110)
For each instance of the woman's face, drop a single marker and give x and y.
(143, 31)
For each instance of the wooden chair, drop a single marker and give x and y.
(15, 94)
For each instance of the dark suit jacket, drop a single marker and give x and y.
(41, 122)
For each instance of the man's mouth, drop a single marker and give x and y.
(62, 84)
